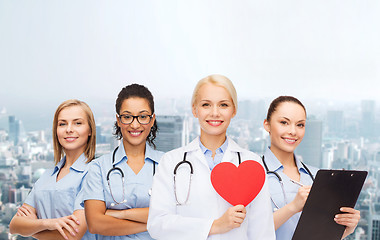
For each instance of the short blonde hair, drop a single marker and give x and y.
(89, 151)
(218, 80)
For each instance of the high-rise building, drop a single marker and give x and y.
(335, 124)
(12, 195)
(311, 146)
(14, 129)
(327, 157)
(341, 151)
(374, 226)
(368, 119)
(173, 132)
(22, 193)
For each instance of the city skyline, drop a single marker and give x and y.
(23, 159)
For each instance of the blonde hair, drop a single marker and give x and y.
(89, 151)
(218, 80)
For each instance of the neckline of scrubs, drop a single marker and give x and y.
(129, 169)
(78, 166)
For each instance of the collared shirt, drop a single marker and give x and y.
(193, 218)
(218, 154)
(55, 199)
(286, 231)
(136, 186)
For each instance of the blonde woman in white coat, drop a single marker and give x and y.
(189, 207)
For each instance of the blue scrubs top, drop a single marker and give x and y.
(136, 186)
(286, 231)
(53, 199)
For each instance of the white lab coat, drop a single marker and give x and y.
(194, 219)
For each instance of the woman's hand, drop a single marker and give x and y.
(70, 223)
(283, 214)
(24, 211)
(299, 201)
(232, 218)
(349, 218)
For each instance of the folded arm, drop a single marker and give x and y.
(26, 223)
(133, 214)
(80, 229)
(101, 223)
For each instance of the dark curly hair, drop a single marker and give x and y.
(140, 91)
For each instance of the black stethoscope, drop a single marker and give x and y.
(280, 179)
(184, 161)
(114, 168)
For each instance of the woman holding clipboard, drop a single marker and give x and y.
(289, 179)
(184, 204)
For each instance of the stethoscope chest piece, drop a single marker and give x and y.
(114, 204)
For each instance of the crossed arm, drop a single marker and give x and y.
(133, 214)
(26, 223)
(114, 222)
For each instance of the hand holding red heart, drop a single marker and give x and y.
(238, 185)
(232, 218)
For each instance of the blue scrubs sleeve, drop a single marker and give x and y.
(80, 196)
(30, 199)
(93, 184)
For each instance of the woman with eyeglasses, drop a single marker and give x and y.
(117, 189)
(187, 207)
(52, 209)
(289, 179)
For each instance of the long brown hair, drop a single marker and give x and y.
(89, 151)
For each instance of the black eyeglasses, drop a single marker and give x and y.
(142, 119)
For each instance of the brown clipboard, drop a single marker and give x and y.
(331, 190)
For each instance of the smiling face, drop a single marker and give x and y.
(214, 109)
(135, 134)
(73, 129)
(286, 127)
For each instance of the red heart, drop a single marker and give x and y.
(238, 185)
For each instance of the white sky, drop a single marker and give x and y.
(51, 50)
